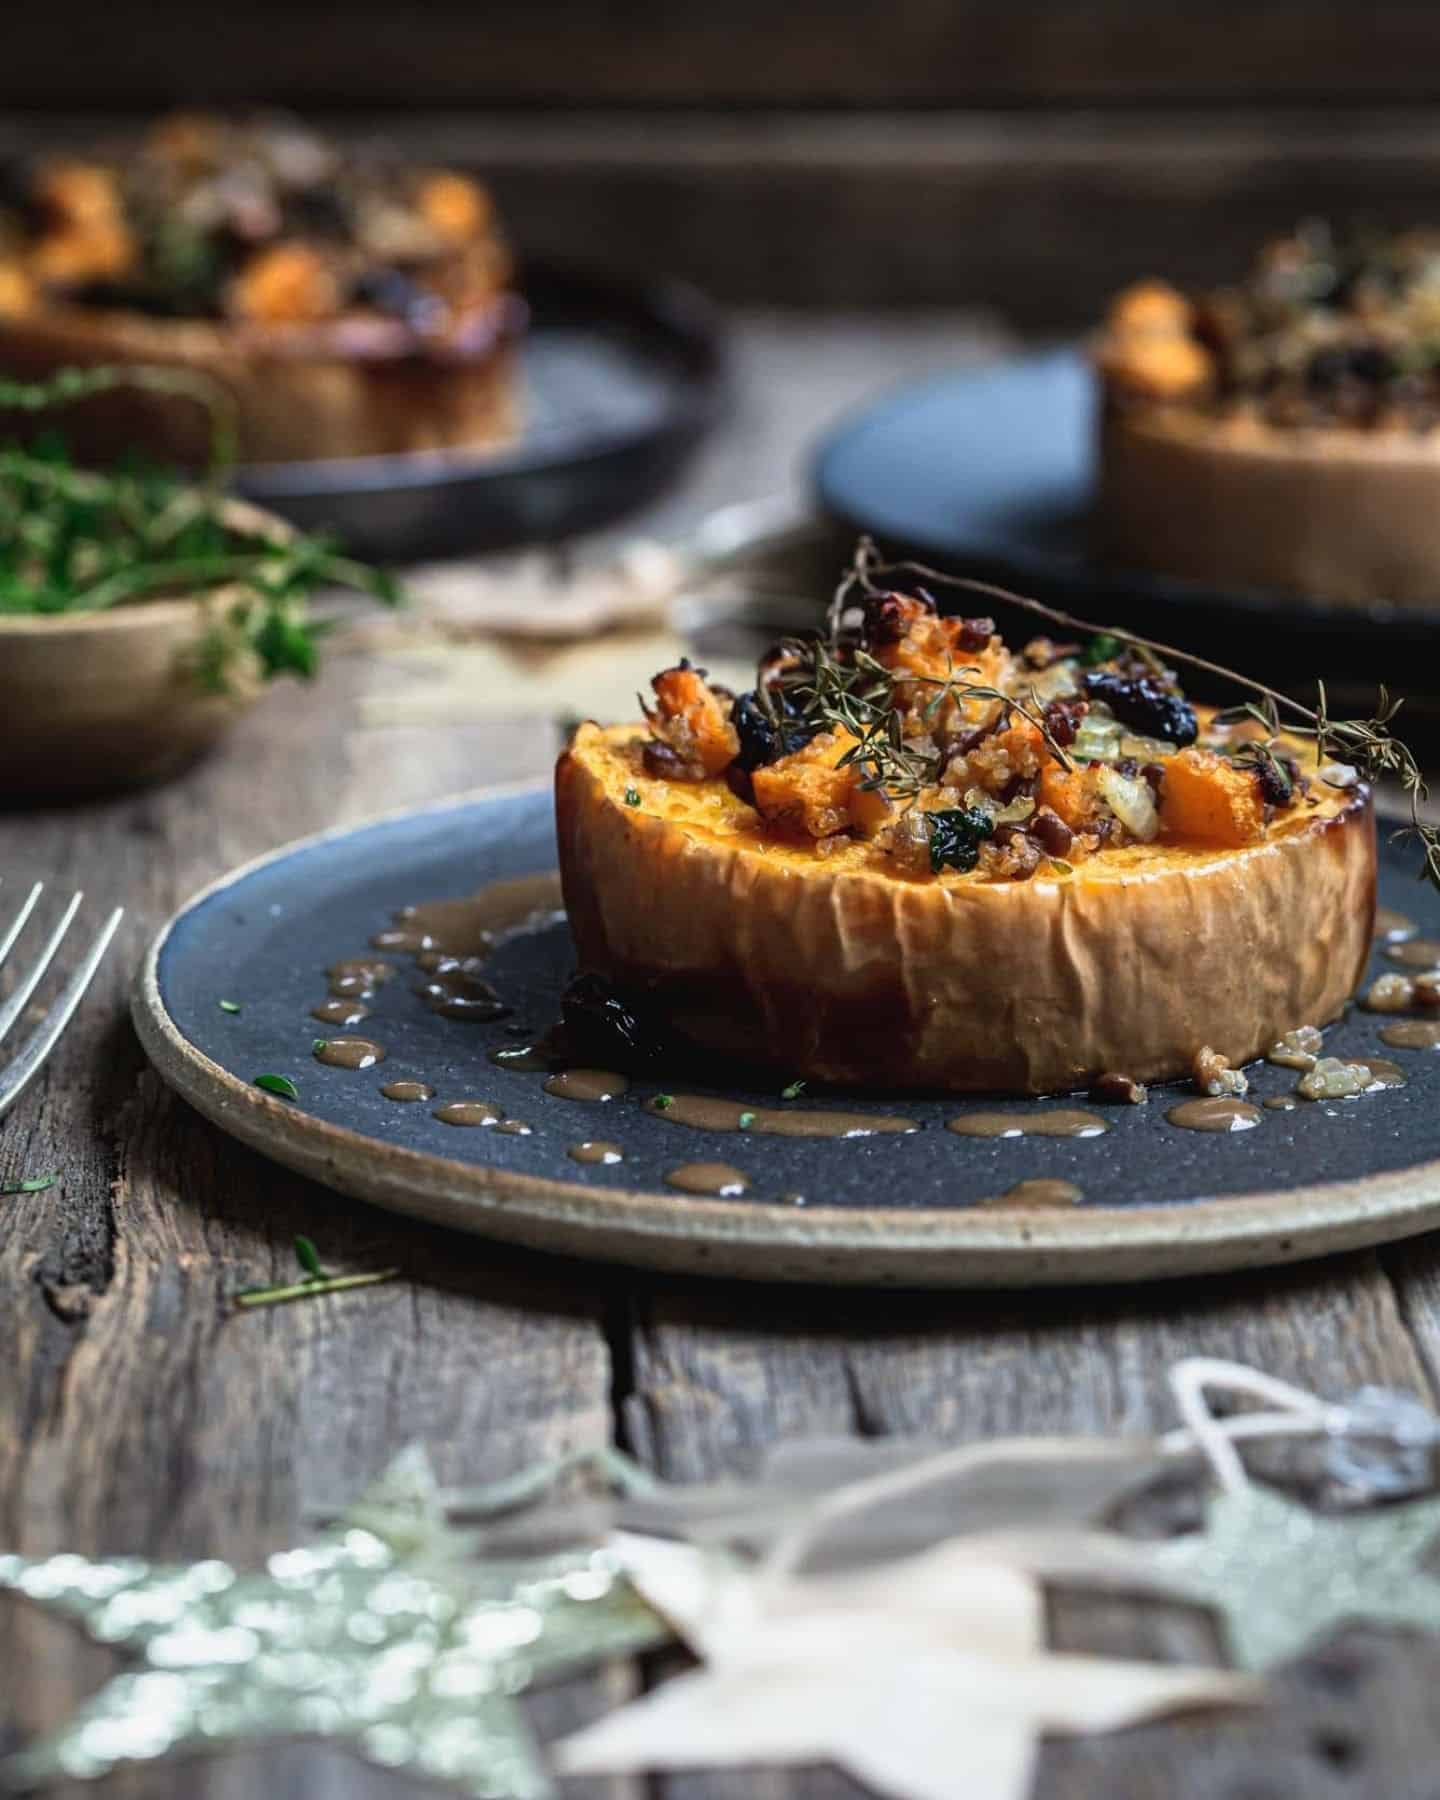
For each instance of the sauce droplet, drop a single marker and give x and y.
(1037, 1194)
(1282, 1103)
(358, 976)
(515, 1128)
(587, 1084)
(340, 1012)
(1417, 953)
(468, 1112)
(349, 1053)
(595, 1150)
(525, 1057)
(1412, 1034)
(1059, 1121)
(1218, 1113)
(457, 990)
(408, 1090)
(1393, 927)
(706, 1114)
(709, 1178)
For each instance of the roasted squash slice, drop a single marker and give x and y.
(1086, 917)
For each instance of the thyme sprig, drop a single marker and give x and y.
(1367, 745)
(834, 683)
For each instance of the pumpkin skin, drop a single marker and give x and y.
(1347, 516)
(763, 950)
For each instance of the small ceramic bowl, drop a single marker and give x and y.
(94, 702)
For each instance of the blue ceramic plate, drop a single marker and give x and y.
(1158, 1200)
(990, 472)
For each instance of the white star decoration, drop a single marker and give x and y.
(925, 1678)
(388, 1634)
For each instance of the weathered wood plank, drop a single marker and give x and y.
(673, 52)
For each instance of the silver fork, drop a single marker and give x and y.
(17, 1074)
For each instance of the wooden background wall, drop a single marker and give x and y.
(923, 152)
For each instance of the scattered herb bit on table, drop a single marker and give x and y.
(228, 1006)
(314, 1280)
(32, 1184)
(793, 1092)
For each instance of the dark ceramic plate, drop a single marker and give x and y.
(1158, 1200)
(990, 472)
(619, 385)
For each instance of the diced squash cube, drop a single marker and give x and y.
(1206, 797)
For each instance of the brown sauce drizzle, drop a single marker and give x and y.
(1393, 927)
(595, 1150)
(1039, 1194)
(349, 1053)
(709, 1178)
(473, 926)
(357, 977)
(468, 1112)
(1412, 1034)
(340, 1012)
(1386, 1074)
(706, 1114)
(587, 1084)
(1214, 1113)
(408, 1090)
(1417, 953)
(457, 990)
(1059, 1121)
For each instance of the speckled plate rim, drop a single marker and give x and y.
(833, 1245)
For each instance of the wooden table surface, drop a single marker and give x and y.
(139, 1413)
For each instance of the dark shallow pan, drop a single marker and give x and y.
(990, 472)
(1158, 1200)
(619, 384)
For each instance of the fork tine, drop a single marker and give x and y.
(20, 999)
(17, 1075)
(7, 943)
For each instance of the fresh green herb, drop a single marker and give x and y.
(75, 540)
(305, 1290)
(955, 837)
(32, 1184)
(278, 1084)
(319, 1044)
(229, 1006)
(793, 1092)
(632, 796)
(663, 1102)
(308, 1258)
(1061, 867)
(1102, 648)
(746, 1120)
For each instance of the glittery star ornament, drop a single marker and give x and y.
(388, 1633)
(925, 1678)
(1281, 1575)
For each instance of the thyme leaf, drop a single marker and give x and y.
(278, 1084)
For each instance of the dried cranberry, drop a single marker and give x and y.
(607, 1027)
(1051, 832)
(974, 634)
(1154, 774)
(1062, 720)
(737, 779)
(886, 618)
(1145, 704)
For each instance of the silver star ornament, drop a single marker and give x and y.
(388, 1633)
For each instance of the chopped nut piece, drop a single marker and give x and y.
(1390, 994)
(1298, 1049)
(1119, 1089)
(1332, 1079)
(1214, 1076)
